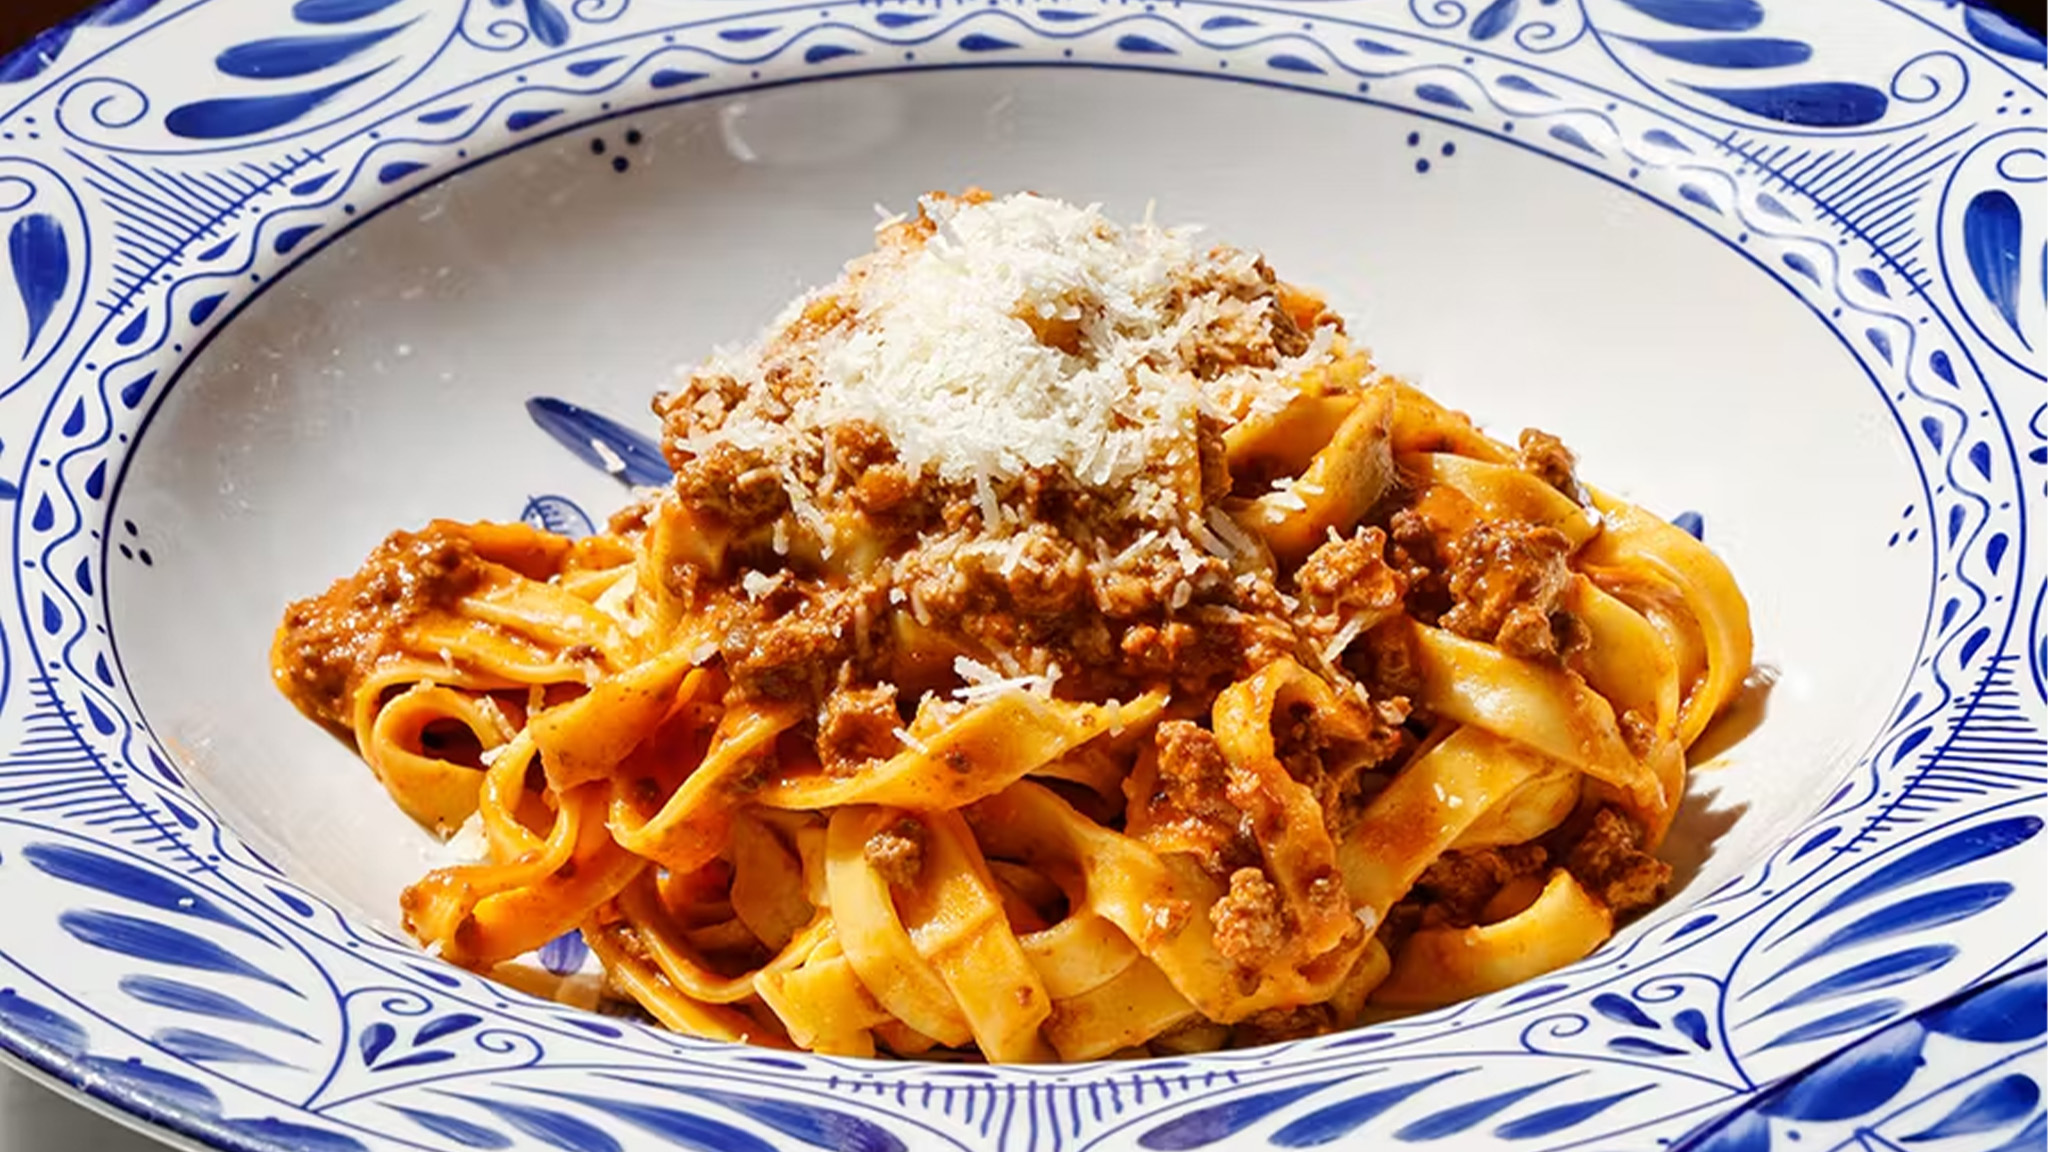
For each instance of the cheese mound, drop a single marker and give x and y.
(952, 362)
(991, 338)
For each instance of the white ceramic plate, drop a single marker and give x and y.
(281, 278)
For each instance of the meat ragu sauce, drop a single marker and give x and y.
(816, 566)
(834, 641)
(331, 642)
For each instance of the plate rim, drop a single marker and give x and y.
(10, 1036)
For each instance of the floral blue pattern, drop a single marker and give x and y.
(1816, 1002)
(1882, 1088)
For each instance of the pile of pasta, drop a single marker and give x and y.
(1014, 879)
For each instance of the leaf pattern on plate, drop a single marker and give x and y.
(554, 1129)
(463, 1132)
(688, 1129)
(1847, 963)
(1990, 1107)
(40, 257)
(180, 996)
(1950, 851)
(1215, 1123)
(116, 877)
(1334, 1121)
(1889, 1086)
(1992, 238)
(1998, 32)
(815, 1125)
(42, 1025)
(1732, 53)
(1921, 913)
(205, 1048)
(160, 943)
(600, 441)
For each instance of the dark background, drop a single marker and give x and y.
(21, 19)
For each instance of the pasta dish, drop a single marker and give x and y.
(1059, 641)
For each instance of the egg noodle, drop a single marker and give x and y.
(1059, 642)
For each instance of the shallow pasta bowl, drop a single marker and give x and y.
(281, 279)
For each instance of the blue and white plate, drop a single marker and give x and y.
(280, 277)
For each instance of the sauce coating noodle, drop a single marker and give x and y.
(1250, 692)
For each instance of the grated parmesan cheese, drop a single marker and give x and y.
(961, 382)
(958, 379)
(979, 693)
(1334, 650)
(1022, 334)
(1240, 541)
(1286, 498)
(1135, 549)
(974, 672)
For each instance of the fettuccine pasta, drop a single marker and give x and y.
(1059, 641)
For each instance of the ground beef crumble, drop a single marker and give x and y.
(737, 487)
(1608, 861)
(1414, 553)
(1507, 581)
(1460, 883)
(858, 727)
(797, 654)
(897, 851)
(1250, 921)
(1188, 808)
(1545, 457)
(328, 643)
(1351, 575)
(1333, 755)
